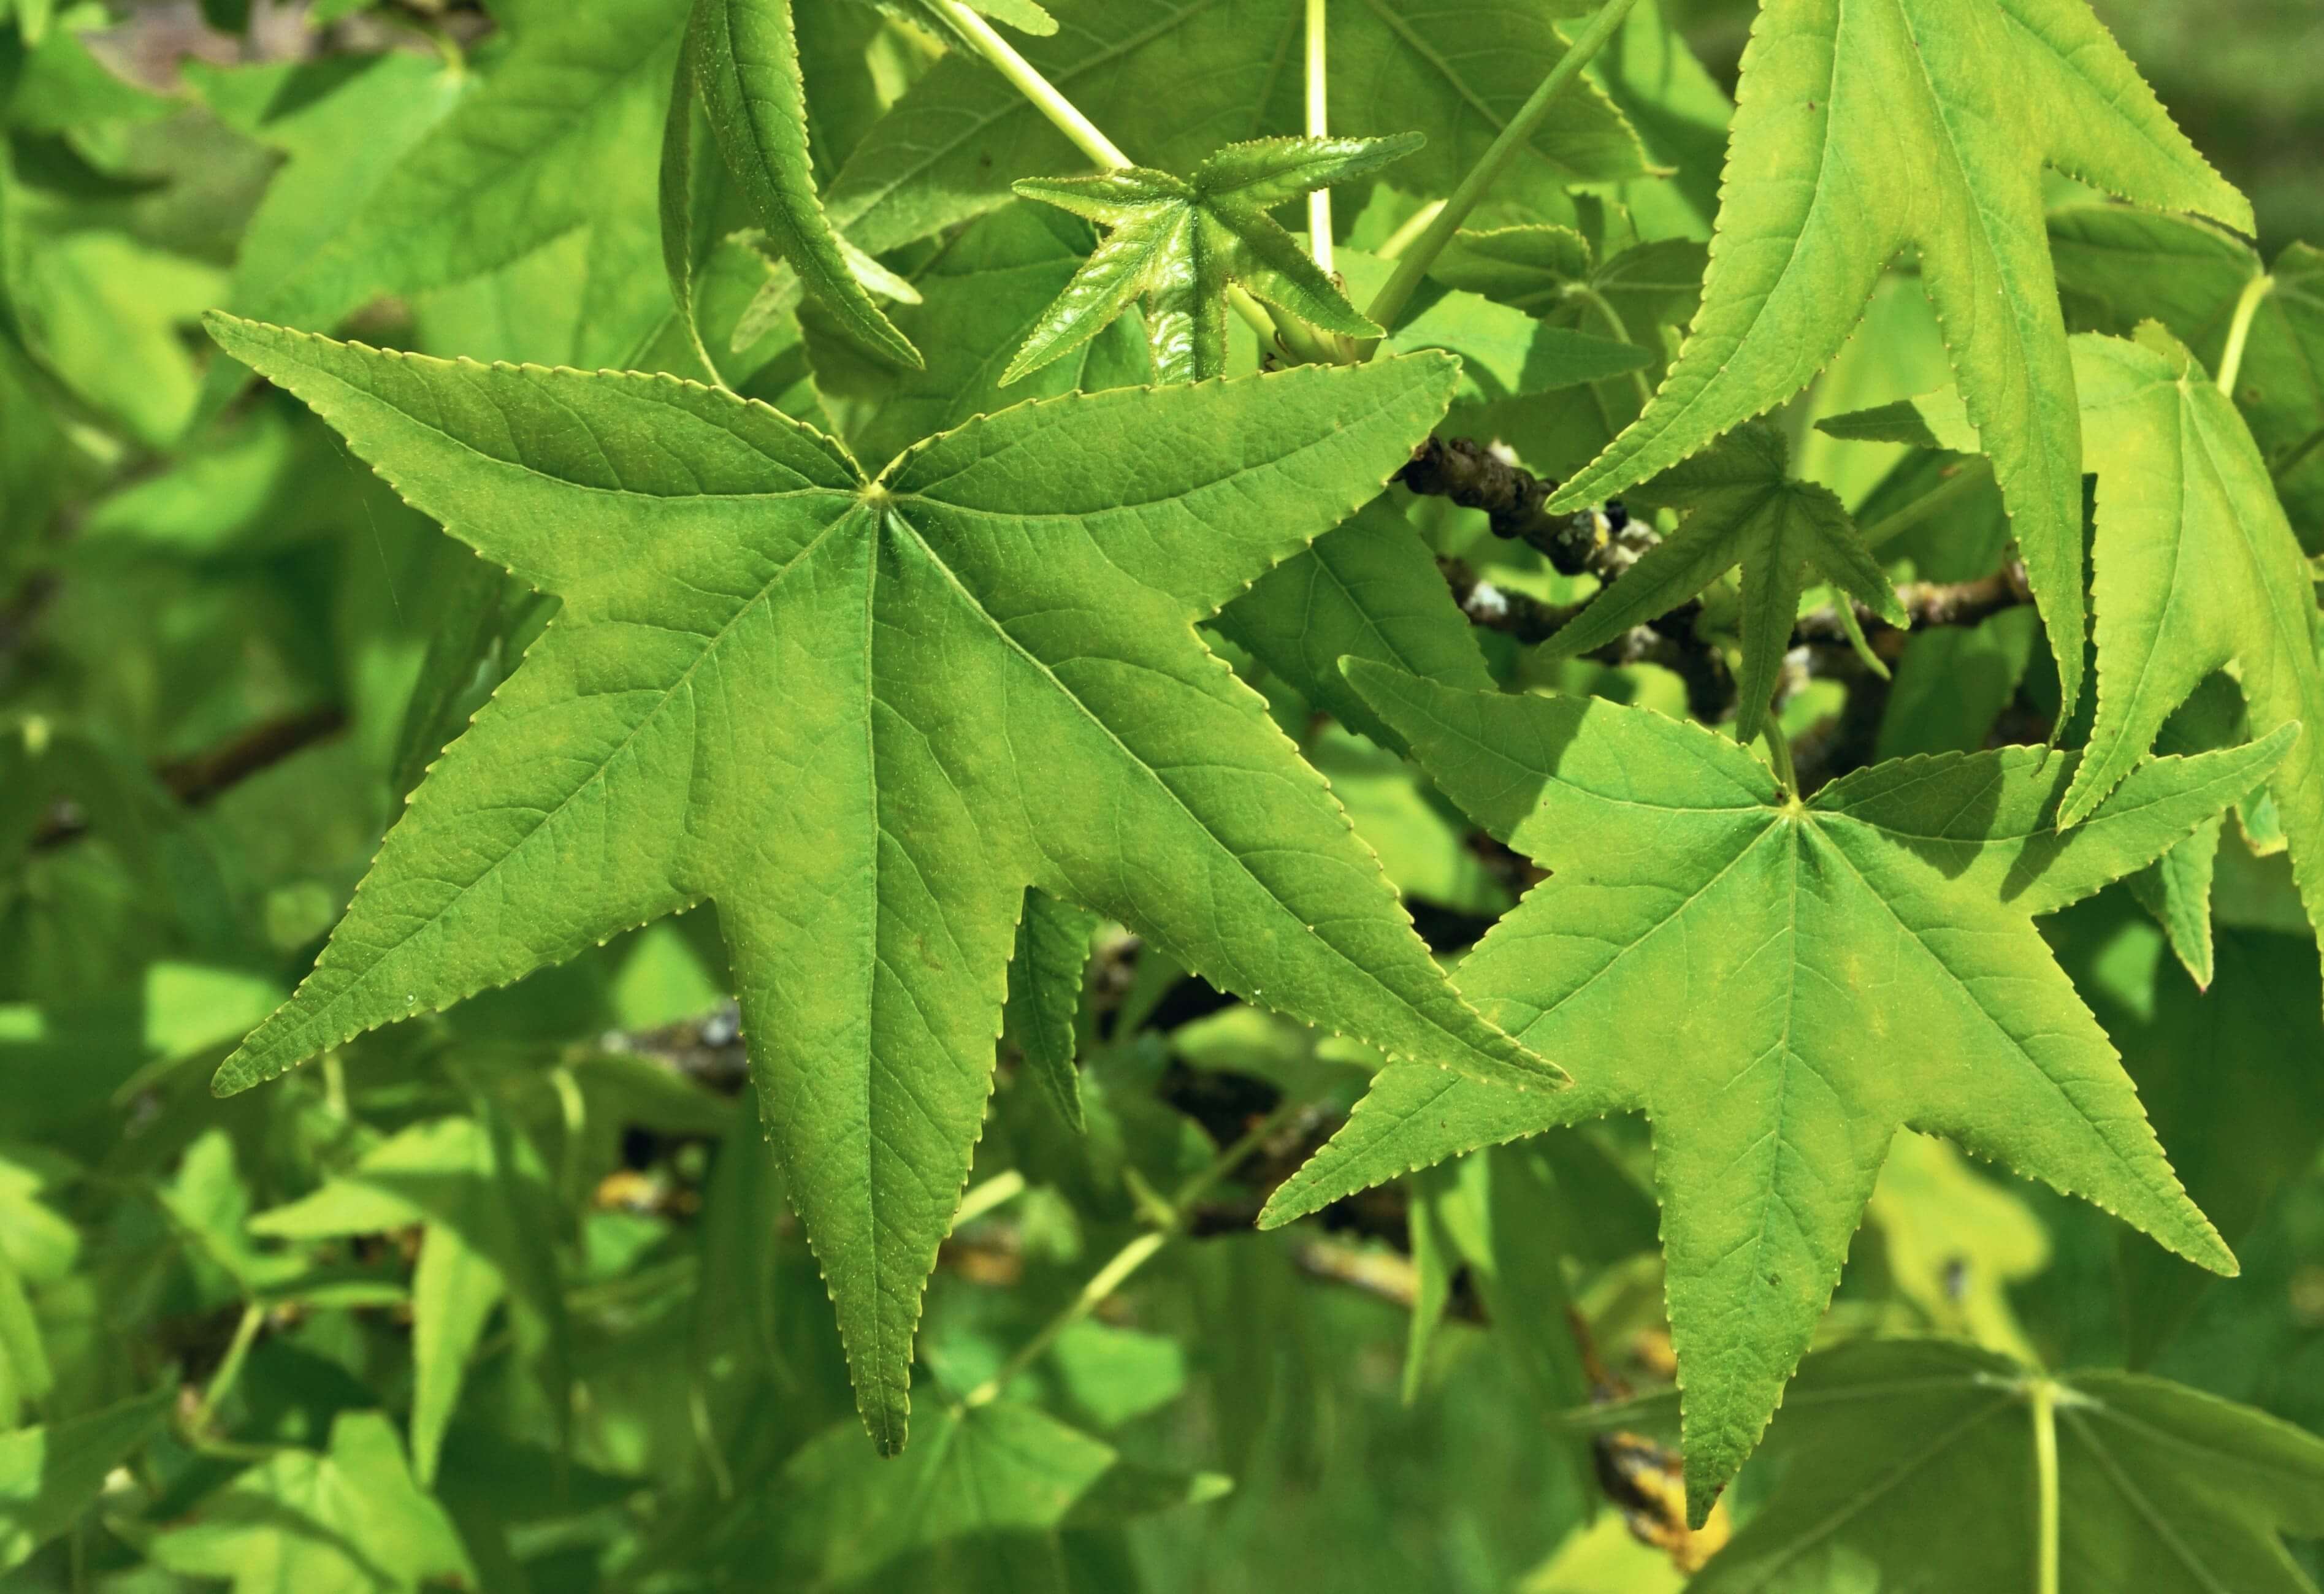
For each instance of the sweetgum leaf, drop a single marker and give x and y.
(1168, 82)
(863, 715)
(1863, 131)
(1745, 508)
(1178, 244)
(1913, 1463)
(743, 58)
(1781, 986)
(562, 138)
(2196, 569)
(2149, 267)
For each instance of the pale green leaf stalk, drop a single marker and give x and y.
(862, 715)
(1180, 243)
(1934, 1464)
(744, 60)
(1744, 508)
(1865, 131)
(1862, 962)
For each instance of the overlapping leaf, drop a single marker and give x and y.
(1178, 244)
(1919, 1463)
(1745, 508)
(1781, 986)
(864, 716)
(2127, 266)
(1170, 83)
(2196, 569)
(1863, 131)
(557, 146)
(741, 56)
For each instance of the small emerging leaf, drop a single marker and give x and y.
(1179, 244)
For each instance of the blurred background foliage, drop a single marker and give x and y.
(508, 1299)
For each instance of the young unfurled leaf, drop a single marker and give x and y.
(1919, 1463)
(742, 57)
(951, 147)
(863, 715)
(1781, 986)
(1745, 508)
(1178, 244)
(1919, 124)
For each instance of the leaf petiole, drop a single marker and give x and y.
(1064, 116)
(1319, 126)
(1413, 265)
(2043, 1396)
(2231, 359)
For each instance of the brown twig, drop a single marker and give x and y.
(201, 777)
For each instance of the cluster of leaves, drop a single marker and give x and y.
(968, 793)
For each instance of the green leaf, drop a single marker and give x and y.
(745, 62)
(1366, 589)
(51, 1474)
(559, 147)
(2226, 1073)
(1953, 682)
(1045, 995)
(1919, 124)
(1504, 353)
(2196, 569)
(1954, 1241)
(2148, 267)
(979, 299)
(1177, 245)
(1745, 508)
(1866, 961)
(1917, 1462)
(952, 146)
(451, 1177)
(864, 716)
(348, 1522)
(1004, 1473)
(344, 124)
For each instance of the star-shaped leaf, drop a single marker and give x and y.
(1745, 508)
(1178, 244)
(2196, 569)
(1781, 986)
(864, 714)
(1864, 130)
(1919, 1464)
